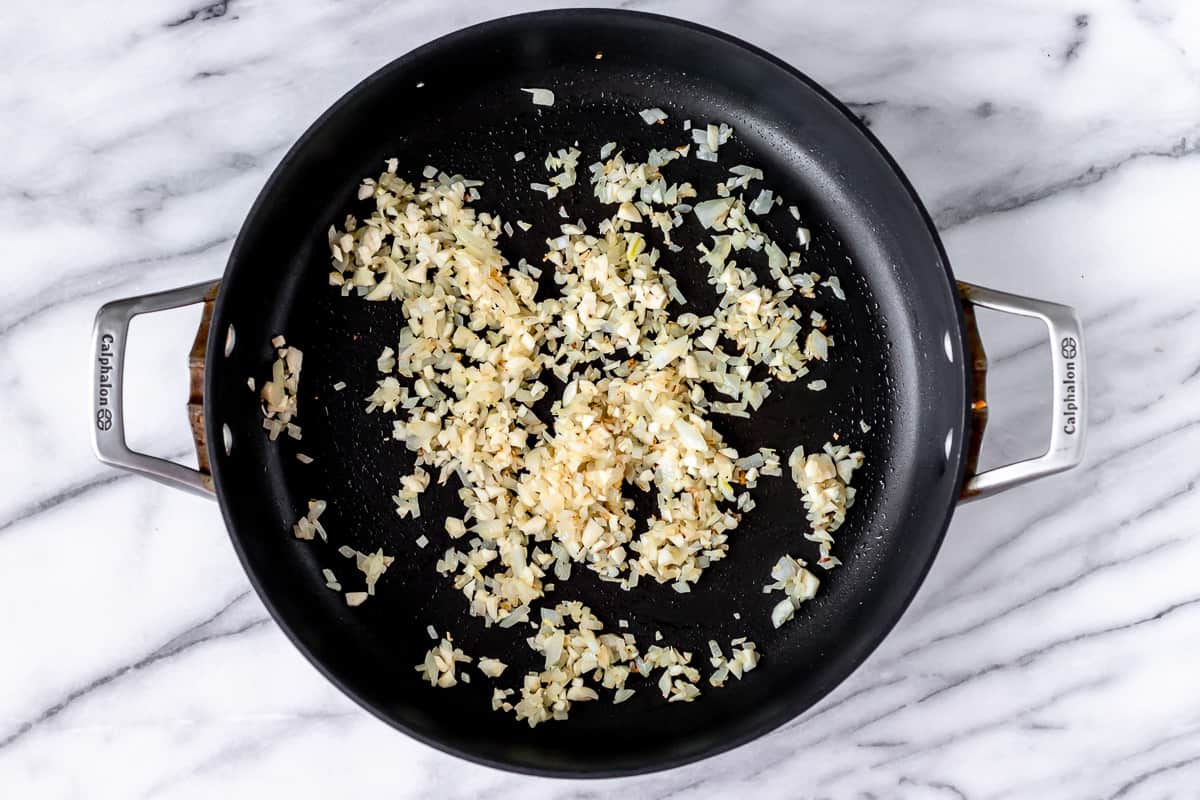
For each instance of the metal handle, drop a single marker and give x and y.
(1068, 420)
(108, 418)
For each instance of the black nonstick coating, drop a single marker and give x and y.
(898, 365)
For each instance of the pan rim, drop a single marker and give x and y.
(888, 618)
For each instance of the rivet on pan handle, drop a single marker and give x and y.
(1068, 417)
(108, 412)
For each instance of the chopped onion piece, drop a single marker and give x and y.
(762, 203)
(713, 212)
(783, 611)
(629, 213)
(653, 116)
(541, 97)
(492, 667)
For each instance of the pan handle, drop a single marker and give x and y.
(108, 411)
(1068, 419)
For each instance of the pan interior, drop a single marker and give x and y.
(897, 365)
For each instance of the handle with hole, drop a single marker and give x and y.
(108, 409)
(1068, 416)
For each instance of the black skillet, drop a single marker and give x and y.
(902, 364)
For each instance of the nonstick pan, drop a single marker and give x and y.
(907, 364)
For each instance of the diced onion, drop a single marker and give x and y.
(541, 97)
(652, 116)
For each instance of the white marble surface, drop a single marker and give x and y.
(1052, 651)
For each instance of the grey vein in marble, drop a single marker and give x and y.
(192, 636)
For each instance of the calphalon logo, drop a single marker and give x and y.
(1070, 395)
(104, 368)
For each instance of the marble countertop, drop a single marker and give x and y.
(1052, 652)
